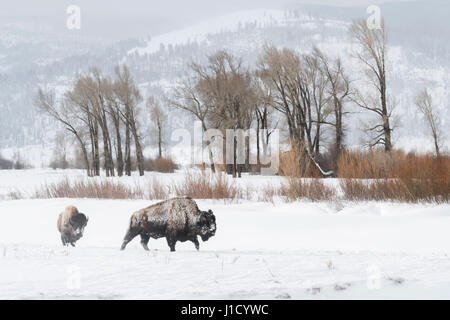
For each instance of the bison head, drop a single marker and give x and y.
(78, 222)
(207, 225)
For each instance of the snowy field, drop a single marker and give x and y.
(300, 250)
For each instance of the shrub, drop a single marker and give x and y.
(313, 189)
(157, 191)
(94, 189)
(164, 165)
(295, 163)
(268, 193)
(207, 186)
(401, 177)
(373, 164)
(59, 164)
(5, 164)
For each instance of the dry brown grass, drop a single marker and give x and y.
(314, 189)
(164, 165)
(15, 195)
(393, 177)
(93, 189)
(208, 186)
(157, 190)
(268, 193)
(295, 163)
(374, 164)
(101, 189)
(407, 178)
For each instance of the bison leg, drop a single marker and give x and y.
(131, 234)
(171, 242)
(63, 240)
(195, 241)
(144, 241)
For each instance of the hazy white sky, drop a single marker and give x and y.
(124, 18)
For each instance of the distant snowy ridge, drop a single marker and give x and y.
(198, 32)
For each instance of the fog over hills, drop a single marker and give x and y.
(157, 41)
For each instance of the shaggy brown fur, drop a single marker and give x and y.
(176, 219)
(71, 224)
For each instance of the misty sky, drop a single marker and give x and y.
(118, 19)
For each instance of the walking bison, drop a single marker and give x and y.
(176, 219)
(71, 224)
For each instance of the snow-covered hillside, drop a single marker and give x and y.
(159, 63)
(199, 33)
(245, 33)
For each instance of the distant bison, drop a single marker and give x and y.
(176, 219)
(71, 224)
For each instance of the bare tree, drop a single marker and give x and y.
(78, 100)
(46, 102)
(186, 97)
(159, 121)
(113, 109)
(339, 92)
(372, 54)
(424, 103)
(263, 112)
(93, 106)
(231, 92)
(59, 158)
(298, 87)
(101, 91)
(130, 98)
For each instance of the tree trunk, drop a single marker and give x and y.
(96, 151)
(139, 154)
(109, 164)
(386, 124)
(119, 155)
(127, 150)
(85, 154)
(159, 141)
(258, 159)
(436, 145)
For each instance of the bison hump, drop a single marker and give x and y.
(71, 210)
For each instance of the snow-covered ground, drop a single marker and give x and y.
(295, 250)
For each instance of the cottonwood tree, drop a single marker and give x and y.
(158, 118)
(59, 158)
(101, 91)
(89, 110)
(230, 90)
(129, 98)
(113, 110)
(424, 103)
(186, 97)
(45, 101)
(298, 91)
(263, 113)
(78, 100)
(339, 92)
(372, 53)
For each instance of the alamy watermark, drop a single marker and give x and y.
(74, 19)
(230, 146)
(374, 19)
(73, 280)
(374, 276)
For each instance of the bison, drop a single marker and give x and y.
(71, 224)
(176, 219)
